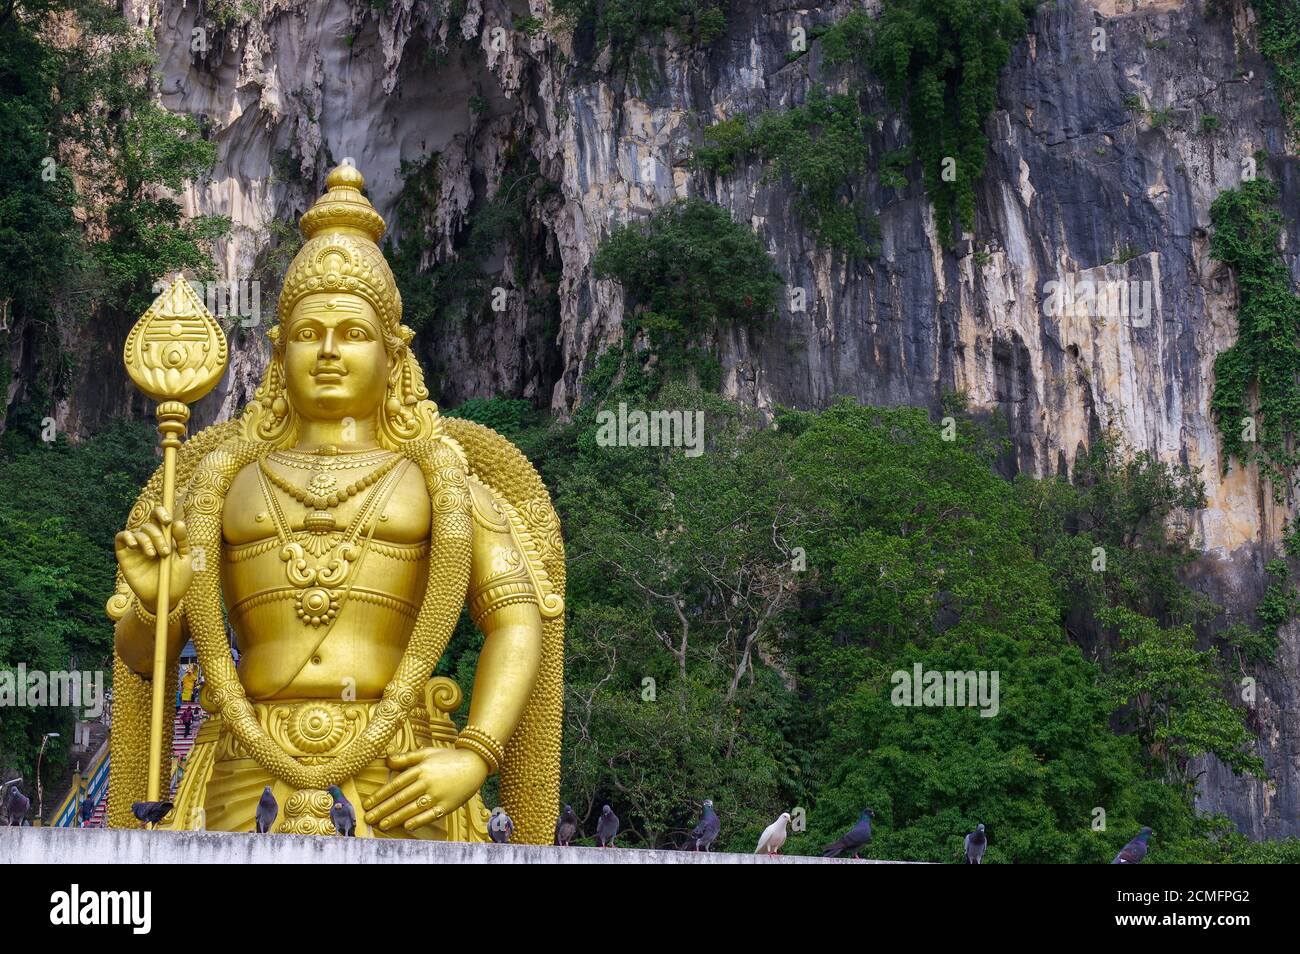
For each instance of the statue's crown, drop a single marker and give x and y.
(341, 254)
(343, 209)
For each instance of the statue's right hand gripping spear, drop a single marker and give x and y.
(176, 353)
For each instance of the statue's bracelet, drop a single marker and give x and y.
(482, 744)
(151, 619)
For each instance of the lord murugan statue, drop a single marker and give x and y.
(337, 530)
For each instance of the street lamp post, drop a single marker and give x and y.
(40, 790)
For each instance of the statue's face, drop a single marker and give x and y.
(335, 359)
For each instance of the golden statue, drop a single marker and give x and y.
(337, 530)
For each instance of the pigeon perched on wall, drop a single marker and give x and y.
(14, 805)
(267, 810)
(606, 828)
(976, 842)
(342, 814)
(854, 840)
(773, 836)
(151, 812)
(500, 827)
(708, 828)
(566, 826)
(1135, 850)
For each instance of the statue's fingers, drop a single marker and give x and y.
(424, 818)
(181, 537)
(147, 546)
(421, 804)
(162, 515)
(156, 536)
(402, 791)
(404, 760)
(369, 803)
(125, 541)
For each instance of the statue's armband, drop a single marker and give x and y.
(505, 570)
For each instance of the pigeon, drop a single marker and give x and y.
(708, 828)
(151, 812)
(773, 836)
(500, 827)
(854, 840)
(1135, 850)
(14, 805)
(566, 826)
(976, 842)
(342, 814)
(267, 810)
(606, 828)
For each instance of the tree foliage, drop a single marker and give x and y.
(940, 60)
(1256, 397)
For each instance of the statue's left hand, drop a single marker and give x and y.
(435, 783)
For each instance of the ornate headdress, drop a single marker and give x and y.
(342, 255)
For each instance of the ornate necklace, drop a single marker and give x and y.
(329, 458)
(321, 495)
(319, 599)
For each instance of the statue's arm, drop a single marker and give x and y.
(503, 603)
(134, 638)
(507, 669)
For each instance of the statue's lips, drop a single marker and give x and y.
(328, 375)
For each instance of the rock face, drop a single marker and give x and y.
(1083, 184)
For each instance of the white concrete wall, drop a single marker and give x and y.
(111, 846)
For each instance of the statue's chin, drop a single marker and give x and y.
(331, 402)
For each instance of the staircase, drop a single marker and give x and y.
(181, 746)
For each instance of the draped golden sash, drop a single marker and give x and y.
(223, 782)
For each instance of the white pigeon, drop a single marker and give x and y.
(773, 836)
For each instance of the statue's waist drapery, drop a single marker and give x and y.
(222, 782)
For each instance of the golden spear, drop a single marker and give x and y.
(176, 353)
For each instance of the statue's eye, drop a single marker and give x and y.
(356, 334)
(307, 334)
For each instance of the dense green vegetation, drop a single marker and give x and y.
(57, 513)
(821, 146)
(1257, 381)
(771, 587)
(687, 271)
(620, 24)
(939, 60)
(90, 245)
(1278, 23)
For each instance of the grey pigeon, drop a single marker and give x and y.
(500, 827)
(708, 828)
(151, 812)
(267, 810)
(1135, 850)
(606, 827)
(854, 840)
(14, 806)
(566, 826)
(342, 814)
(976, 842)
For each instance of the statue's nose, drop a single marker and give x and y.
(328, 345)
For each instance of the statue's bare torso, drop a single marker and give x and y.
(281, 656)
